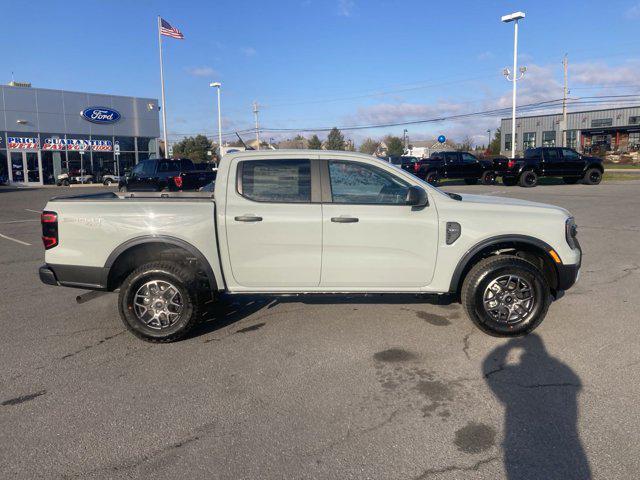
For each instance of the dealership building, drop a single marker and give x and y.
(44, 133)
(614, 130)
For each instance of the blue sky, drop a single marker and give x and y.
(313, 63)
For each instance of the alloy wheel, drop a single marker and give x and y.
(158, 304)
(509, 299)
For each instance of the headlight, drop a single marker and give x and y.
(571, 231)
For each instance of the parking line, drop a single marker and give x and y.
(15, 240)
(18, 221)
(34, 211)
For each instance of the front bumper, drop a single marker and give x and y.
(568, 274)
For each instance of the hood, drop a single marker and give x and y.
(505, 202)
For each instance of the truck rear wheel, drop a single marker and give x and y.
(488, 178)
(528, 179)
(158, 301)
(432, 178)
(505, 296)
(593, 176)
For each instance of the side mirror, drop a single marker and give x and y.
(417, 197)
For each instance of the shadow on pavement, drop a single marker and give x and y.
(230, 309)
(539, 392)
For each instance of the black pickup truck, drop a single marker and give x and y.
(552, 162)
(457, 165)
(157, 174)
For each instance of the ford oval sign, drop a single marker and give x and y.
(442, 139)
(100, 115)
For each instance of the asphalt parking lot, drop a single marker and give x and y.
(375, 387)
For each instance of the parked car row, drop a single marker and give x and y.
(158, 174)
(77, 176)
(566, 163)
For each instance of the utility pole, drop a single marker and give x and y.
(404, 139)
(255, 114)
(565, 65)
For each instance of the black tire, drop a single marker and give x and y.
(593, 176)
(509, 181)
(570, 180)
(180, 278)
(488, 178)
(107, 182)
(528, 179)
(432, 178)
(483, 274)
(65, 183)
(123, 188)
(471, 181)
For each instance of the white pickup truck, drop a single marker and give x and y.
(310, 222)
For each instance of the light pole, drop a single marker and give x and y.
(217, 85)
(514, 17)
(489, 144)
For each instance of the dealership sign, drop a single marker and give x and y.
(77, 144)
(22, 143)
(100, 115)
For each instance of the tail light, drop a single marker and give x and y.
(49, 222)
(511, 163)
(416, 167)
(178, 181)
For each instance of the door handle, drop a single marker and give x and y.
(248, 218)
(344, 219)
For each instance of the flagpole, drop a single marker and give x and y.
(164, 105)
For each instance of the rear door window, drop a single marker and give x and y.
(451, 157)
(468, 158)
(168, 166)
(276, 181)
(551, 155)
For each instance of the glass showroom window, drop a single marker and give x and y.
(634, 140)
(53, 155)
(548, 139)
(529, 140)
(127, 161)
(102, 158)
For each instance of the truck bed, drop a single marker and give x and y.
(146, 196)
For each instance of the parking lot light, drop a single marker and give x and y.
(218, 85)
(514, 17)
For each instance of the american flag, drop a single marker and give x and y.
(169, 31)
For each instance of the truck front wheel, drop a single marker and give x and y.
(505, 296)
(158, 301)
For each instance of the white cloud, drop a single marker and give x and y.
(345, 7)
(248, 51)
(603, 74)
(633, 12)
(201, 71)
